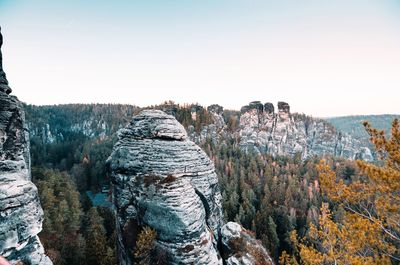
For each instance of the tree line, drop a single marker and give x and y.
(303, 211)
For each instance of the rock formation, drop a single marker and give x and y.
(20, 212)
(165, 181)
(269, 108)
(283, 133)
(263, 128)
(235, 239)
(216, 112)
(214, 131)
(3, 80)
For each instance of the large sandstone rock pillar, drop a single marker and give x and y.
(163, 180)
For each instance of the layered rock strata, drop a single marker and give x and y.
(165, 181)
(282, 133)
(20, 212)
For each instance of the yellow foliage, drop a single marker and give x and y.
(370, 230)
(287, 259)
(145, 245)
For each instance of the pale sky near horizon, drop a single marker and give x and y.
(325, 58)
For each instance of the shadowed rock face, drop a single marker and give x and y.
(269, 107)
(215, 108)
(3, 80)
(283, 106)
(165, 181)
(20, 212)
(254, 105)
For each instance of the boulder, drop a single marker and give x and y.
(240, 247)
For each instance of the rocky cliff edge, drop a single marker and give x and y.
(20, 212)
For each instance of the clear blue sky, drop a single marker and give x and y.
(326, 58)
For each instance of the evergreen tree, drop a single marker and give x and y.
(62, 213)
(273, 239)
(96, 248)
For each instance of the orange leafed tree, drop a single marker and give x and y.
(369, 230)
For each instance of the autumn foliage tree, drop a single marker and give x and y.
(368, 231)
(146, 251)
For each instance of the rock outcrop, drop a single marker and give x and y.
(20, 212)
(216, 112)
(264, 131)
(262, 128)
(215, 131)
(3, 80)
(165, 181)
(240, 247)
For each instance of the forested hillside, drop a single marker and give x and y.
(270, 195)
(353, 124)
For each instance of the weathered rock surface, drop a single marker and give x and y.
(263, 128)
(215, 131)
(263, 131)
(20, 211)
(240, 247)
(165, 181)
(3, 80)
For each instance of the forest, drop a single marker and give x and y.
(282, 199)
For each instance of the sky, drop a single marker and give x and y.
(323, 57)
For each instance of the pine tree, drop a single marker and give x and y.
(96, 247)
(62, 213)
(272, 237)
